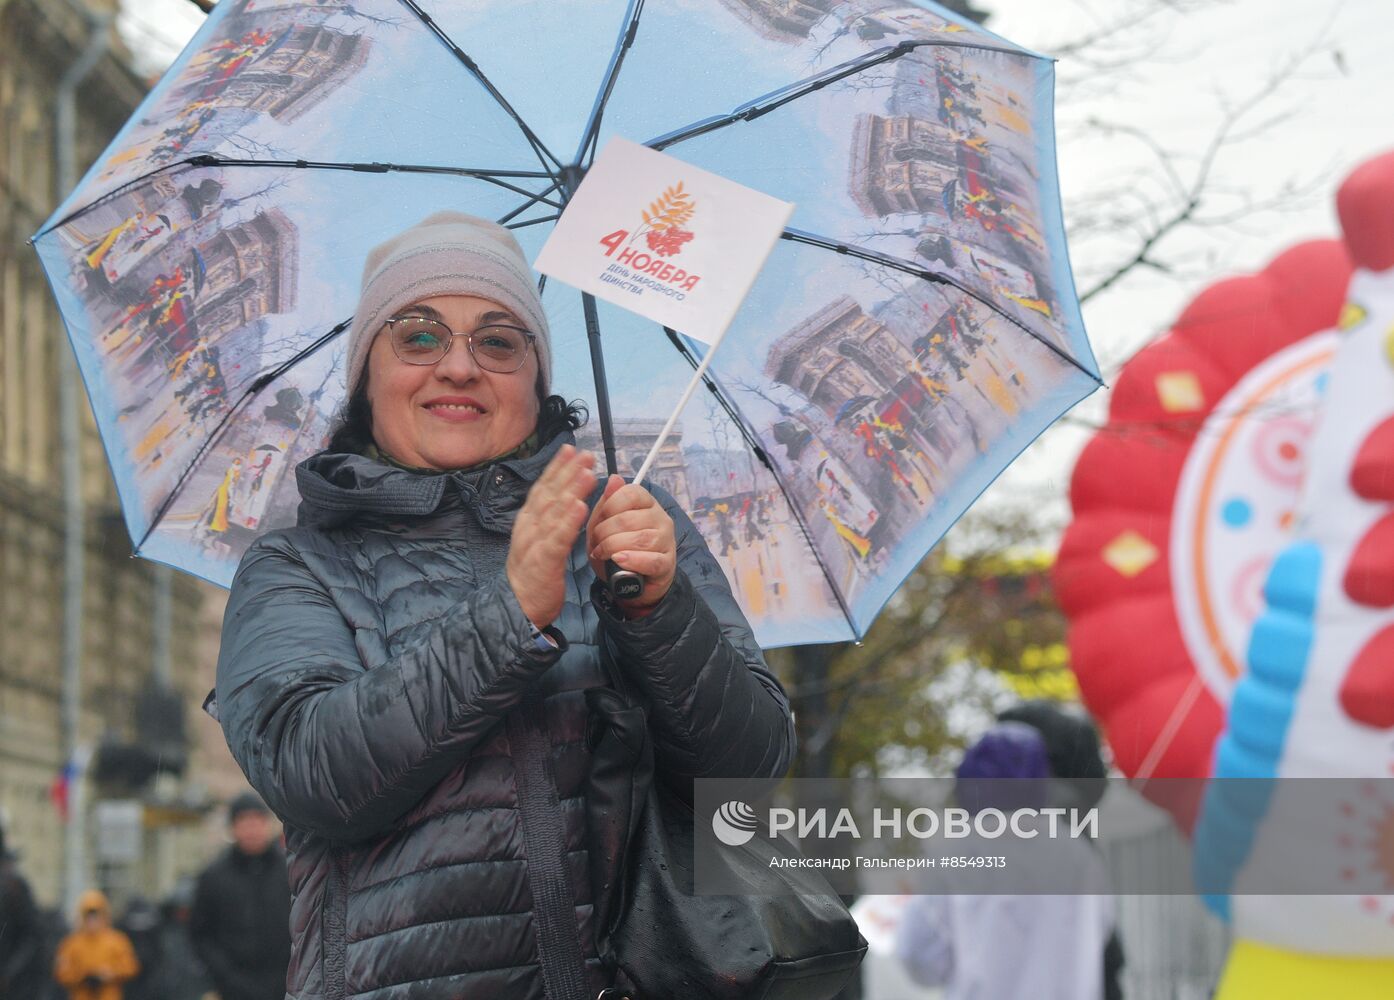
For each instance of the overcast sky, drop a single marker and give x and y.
(1182, 71)
(1338, 115)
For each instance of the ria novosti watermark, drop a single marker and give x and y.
(735, 823)
(986, 836)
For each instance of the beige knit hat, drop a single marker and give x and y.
(448, 253)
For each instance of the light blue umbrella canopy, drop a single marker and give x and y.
(208, 264)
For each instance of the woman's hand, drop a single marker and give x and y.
(544, 532)
(631, 527)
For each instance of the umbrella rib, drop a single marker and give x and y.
(846, 249)
(115, 192)
(532, 200)
(754, 444)
(762, 106)
(209, 160)
(543, 153)
(491, 176)
(532, 222)
(261, 382)
(592, 131)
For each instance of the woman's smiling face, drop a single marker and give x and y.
(454, 413)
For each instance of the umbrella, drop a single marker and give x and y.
(290, 138)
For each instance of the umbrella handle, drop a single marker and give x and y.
(624, 584)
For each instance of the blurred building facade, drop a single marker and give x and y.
(158, 764)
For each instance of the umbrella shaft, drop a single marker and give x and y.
(602, 388)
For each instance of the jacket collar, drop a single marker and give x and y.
(338, 487)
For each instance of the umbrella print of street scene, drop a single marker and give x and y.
(914, 329)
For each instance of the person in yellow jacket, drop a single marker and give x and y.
(96, 960)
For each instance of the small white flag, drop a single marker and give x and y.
(664, 239)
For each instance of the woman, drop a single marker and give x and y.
(402, 674)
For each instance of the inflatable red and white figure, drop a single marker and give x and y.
(1182, 500)
(1364, 476)
(1317, 700)
(1287, 482)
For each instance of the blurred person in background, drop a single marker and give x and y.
(980, 946)
(1073, 751)
(96, 960)
(22, 965)
(1076, 761)
(240, 924)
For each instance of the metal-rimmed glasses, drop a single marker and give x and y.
(497, 348)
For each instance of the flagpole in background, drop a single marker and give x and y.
(74, 533)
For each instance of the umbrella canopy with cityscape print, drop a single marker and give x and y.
(914, 329)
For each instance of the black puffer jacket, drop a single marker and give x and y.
(428, 758)
(238, 925)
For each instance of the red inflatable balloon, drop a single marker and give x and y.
(1160, 571)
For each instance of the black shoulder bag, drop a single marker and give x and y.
(659, 939)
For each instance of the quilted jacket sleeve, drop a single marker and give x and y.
(334, 748)
(717, 710)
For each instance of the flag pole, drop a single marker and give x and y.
(692, 384)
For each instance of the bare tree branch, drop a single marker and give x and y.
(1121, 27)
(1240, 122)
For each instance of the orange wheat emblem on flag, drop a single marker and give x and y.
(664, 220)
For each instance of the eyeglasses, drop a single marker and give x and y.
(497, 348)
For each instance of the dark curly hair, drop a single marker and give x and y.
(353, 430)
